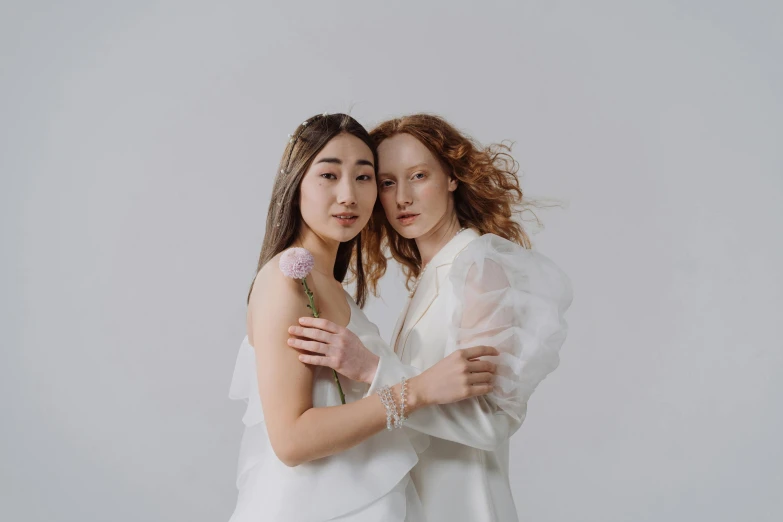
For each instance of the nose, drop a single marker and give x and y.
(404, 195)
(346, 192)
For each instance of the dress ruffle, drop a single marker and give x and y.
(368, 482)
(513, 299)
(244, 384)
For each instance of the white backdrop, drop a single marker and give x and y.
(139, 141)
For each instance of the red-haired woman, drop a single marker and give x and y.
(447, 217)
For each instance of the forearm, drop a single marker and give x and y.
(474, 422)
(320, 432)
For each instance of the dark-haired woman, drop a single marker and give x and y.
(305, 456)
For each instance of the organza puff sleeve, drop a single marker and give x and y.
(514, 300)
(497, 294)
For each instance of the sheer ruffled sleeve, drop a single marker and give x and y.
(508, 297)
(513, 299)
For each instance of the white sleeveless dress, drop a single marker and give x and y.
(367, 483)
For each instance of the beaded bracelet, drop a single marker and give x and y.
(387, 400)
(394, 418)
(403, 396)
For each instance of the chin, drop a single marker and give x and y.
(411, 232)
(345, 234)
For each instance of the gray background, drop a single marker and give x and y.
(139, 141)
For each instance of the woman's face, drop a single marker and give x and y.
(415, 190)
(338, 191)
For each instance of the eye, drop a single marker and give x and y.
(364, 177)
(386, 183)
(418, 175)
(328, 175)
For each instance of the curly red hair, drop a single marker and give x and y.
(487, 197)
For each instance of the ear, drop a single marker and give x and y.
(453, 183)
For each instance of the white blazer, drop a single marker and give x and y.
(477, 290)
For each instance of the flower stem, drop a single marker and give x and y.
(312, 307)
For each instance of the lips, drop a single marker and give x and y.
(346, 218)
(406, 218)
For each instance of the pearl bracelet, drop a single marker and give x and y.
(403, 396)
(394, 418)
(387, 400)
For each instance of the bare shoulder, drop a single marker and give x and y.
(276, 301)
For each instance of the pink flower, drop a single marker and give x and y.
(297, 262)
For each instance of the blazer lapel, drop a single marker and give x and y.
(428, 288)
(425, 294)
(398, 326)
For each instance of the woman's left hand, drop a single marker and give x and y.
(333, 346)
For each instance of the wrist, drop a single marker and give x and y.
(416, 399)
(372, 370)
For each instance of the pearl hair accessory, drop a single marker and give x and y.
(293, 138)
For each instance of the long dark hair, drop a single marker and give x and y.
(284, 218)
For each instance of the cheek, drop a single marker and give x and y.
(431, 196)
(308, 211)
(312, 193)
(368, 194)
(311, 202)
(388, 201)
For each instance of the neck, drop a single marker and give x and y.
(324, 250)
(430, 243)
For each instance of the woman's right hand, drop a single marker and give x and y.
(458, 376)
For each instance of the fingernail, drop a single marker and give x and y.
(301, 358)
(290, 341)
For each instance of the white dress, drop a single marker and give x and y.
(367, 483)
(478, 290)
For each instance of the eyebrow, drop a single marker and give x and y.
(338, 161)
(408, 170)
(417, 167)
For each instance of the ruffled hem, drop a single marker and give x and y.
(357, 484)
(363, 477)
(244, 384)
